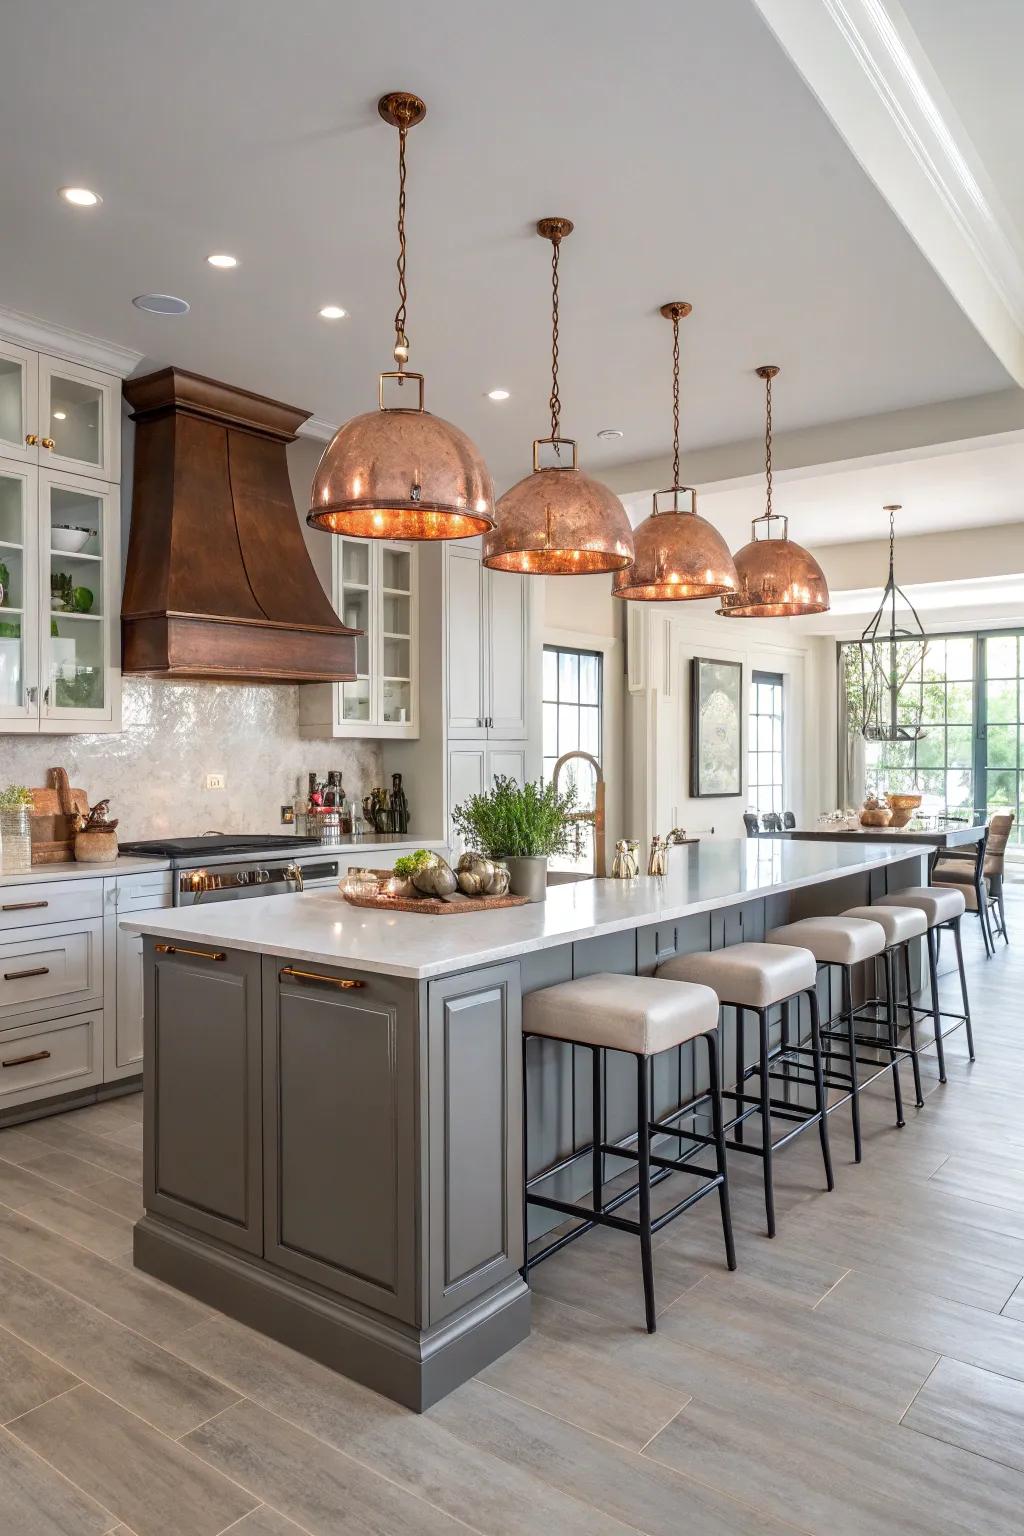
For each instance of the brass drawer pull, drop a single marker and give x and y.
(23, 1061)
(344, 983)
(200, 954)
(40, 970)
(22, 906)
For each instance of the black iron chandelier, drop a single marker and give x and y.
(892, 652)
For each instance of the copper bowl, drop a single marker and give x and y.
(903, 808)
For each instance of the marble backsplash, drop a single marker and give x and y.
(173, 735)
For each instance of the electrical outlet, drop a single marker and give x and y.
(215, 781)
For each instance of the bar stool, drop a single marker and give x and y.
(899, 925)
(843, 942)
(642, 1017)
(943, 906)
(753, 978)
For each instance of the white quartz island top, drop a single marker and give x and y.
(322, 928)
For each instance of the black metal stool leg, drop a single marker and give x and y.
(644, 1193)
(597, 1057)
(820, 1099)
(717, 1121)
(963, 987)
(766, 1120)
(933, 981)
(913, 1026)
(851, 1035)
(741, 1067)
(526, 1171)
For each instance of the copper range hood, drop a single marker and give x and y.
(219, 583)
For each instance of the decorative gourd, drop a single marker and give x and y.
(436, 879)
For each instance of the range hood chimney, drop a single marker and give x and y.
(219, 582)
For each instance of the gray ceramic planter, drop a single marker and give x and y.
(529, 877)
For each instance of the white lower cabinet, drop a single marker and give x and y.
(471, 768)
(47, 1057)
(122, 1044)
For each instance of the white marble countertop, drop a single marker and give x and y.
(321, 927)
(124, 864)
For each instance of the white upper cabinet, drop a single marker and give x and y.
(19, 599)
(58, 415)
(488, 638)
(374, 590)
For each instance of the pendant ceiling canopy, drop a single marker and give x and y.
(777, 578)
(398, 472)
(892, 649)
(558, 521)
(678, 555)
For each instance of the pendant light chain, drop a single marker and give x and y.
(768, 446)
(554, 401)
(401, 340)
(675, 402)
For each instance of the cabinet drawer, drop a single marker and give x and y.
(38, 1061)
(140, 892)
(49, 901)
(44, 966)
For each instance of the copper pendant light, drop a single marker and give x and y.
(679, 555)
(777, 578)
(398, 472)
(558, 521)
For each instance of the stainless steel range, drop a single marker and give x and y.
(232, 866)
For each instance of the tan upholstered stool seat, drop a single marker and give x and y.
(832, 940)
(621, 1013)
(897, 923)
(967, 892)
(939, 903)
(752, 975)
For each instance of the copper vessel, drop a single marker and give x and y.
(678, 555)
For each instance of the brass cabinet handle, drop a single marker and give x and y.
(31, 439)
(47, 442)
(22, 906)
(40, 970)
(344, 983)
(200, 954)
(23, 1061)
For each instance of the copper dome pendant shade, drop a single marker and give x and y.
(777, 578)
(558, 521)
(399, 472)
(679, 556)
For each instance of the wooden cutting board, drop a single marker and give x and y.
(53, 833)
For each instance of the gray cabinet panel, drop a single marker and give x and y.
(474, 1095)
(338, 1132)
(202, 1147)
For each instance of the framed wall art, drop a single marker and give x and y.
(716, 728)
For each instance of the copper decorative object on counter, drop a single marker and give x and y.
(558, 521)
(398, 472)
(679, 555)
(776, 578)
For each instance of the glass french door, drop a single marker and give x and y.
(1000, 745)
(19, 654)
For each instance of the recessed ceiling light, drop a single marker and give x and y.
(333, 312)
(219, 259)
(161, 304)
(80, 197)
(607, 432)
(60, 415)
(497, 394)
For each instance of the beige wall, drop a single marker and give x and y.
(955, 555)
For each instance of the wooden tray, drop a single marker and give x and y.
(432, 906)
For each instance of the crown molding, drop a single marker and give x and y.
(867, 68)
(72, 346)
(319, 429)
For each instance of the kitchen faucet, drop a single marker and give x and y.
(596, 816)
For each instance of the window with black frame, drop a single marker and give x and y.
(572, 722)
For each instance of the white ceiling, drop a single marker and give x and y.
(693, 158)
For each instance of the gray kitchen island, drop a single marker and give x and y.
(333, 1096)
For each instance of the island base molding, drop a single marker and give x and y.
(413, 1368)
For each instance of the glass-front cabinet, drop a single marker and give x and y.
(57, 415)
(59, 569)
(374, 591)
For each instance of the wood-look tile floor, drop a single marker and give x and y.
(862, 1374)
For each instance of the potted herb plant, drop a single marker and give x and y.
(523, 826)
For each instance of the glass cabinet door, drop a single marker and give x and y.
(19, 427)
(18, 582)
(78, 420)
(354, 556)
(396, 625)
(77, 560)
